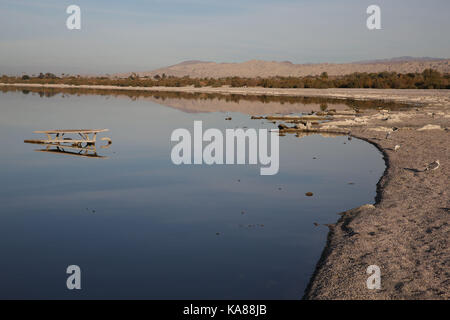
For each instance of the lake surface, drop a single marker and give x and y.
(141, 227)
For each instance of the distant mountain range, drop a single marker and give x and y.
(401, 59)
(260, 68)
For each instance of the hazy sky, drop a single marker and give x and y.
(138, 35)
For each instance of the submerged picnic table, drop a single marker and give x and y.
(82, 145)
(88, 136)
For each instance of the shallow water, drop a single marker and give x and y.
(141, 227)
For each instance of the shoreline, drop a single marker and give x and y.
(405, 232)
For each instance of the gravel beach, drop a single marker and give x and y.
(406, 231)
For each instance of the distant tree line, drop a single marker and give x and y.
(428, 79)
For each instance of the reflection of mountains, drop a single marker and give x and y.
(242, 106)
(214, 102)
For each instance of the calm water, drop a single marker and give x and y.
(141, 227)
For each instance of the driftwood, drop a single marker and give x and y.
(299, 118)
(316, 130)
(310, 129)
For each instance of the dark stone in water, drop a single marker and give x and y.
(309, 194)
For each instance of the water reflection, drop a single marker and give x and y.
(213, 102)
(88, 152)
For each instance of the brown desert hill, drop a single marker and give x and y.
(264, 69)
(400, 59)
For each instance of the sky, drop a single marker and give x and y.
(138, 35)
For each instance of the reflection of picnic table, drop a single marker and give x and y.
(89, 152)
(83, 144)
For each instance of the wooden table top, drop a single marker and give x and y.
(72, 131)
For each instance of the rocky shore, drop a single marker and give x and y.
(406, 231)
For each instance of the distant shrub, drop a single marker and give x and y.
(428, 79)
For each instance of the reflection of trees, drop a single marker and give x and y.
(46, 93)
(233, 98)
